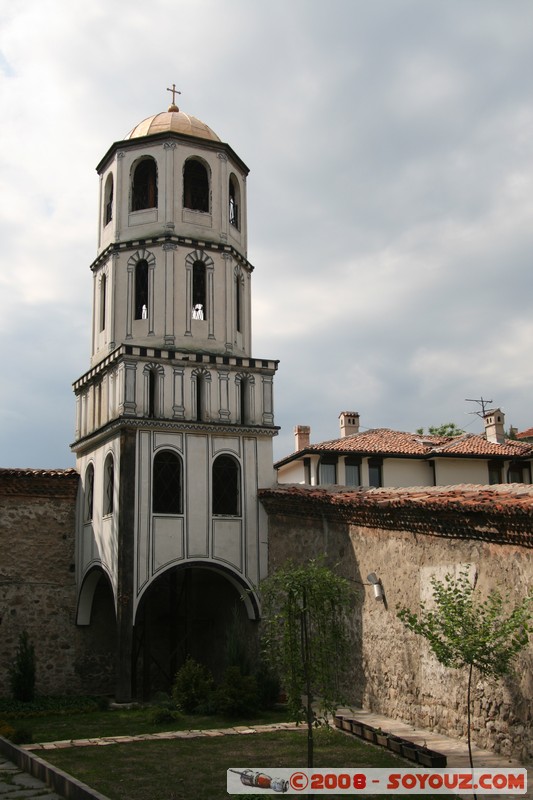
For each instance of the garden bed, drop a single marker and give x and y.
(396, 744)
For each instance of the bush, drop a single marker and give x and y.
(162, 715)
(268, 687)
(22, 673)
(237, 695)
(22, 736)
(193, 686)
(6, 730)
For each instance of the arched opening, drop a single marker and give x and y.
(195, 186)
(144, 185)
(141, 289)
(96, 619)
(103, 300)
(167, 489)
(109, 484)
(226, 486)
(234, 198)
(185, 612)
(88, 489)
(199, 293)
(108, 200)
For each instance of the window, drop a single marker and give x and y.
(375, 466)
(327, 470)
(495, 472)
(109, 484)
(103, 291)
(244, 398)
(199, 309)
(200, 396)
(108, 200)
(152, 393)
(238, 303)
(516, 472)
(226, 499)
(141, 289)
(233, 201)
(195, 186)
(352, 472)
(144, 188)
(89, 493)
(167, 483)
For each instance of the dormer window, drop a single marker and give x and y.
(144, 185)
(195, 186)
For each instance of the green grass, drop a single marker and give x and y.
(51, 727)
(195, 769)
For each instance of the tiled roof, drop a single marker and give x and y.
(500, 513)
(527, 434)
(384, 441)
(38, 482)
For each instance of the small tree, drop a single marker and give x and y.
(22, 672)
(464, 631)
(446, 429)
(305, 637)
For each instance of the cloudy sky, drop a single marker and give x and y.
(390, 209)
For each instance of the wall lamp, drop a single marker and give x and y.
(376, 585)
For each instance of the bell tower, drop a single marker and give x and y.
(175, 418)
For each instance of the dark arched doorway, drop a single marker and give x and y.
(187, 611)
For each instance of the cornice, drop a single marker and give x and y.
(134, 423)
(166, 240)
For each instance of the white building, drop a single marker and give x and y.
(383, 457)
(174, 416)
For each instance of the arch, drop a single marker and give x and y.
(108, 200)
(234, 193)
(195, 185)
(245, 384)
(109, 484)
(201, 380)
(144, 184)
(141, 289)
(154, 376)
(200, 268)
(167, 483)
(88, 488)
(87, 592)
(226, 486)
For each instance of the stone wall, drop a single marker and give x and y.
(393, 670)
(37, 584)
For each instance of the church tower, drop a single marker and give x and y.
(175, 419)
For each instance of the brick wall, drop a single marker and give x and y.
(393, 670)
(37, 583)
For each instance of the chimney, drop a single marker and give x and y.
(302, 434)
(349, 422)
(494, 421)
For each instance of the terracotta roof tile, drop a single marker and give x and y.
(388, 442)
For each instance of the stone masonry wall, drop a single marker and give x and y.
(37, 583)
(393, 671)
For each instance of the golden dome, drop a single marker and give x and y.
(173, 121)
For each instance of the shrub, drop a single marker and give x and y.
(237, 695)
(268, 686)
(6, 730)
(162, 715)
(22, 673)
(22, 735)
(193, 686)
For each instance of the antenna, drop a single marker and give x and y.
(483, 403)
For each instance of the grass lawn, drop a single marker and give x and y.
(52, 727)
(195, 769)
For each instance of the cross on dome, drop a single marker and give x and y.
(173, 106)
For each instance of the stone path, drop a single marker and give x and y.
(15, 784)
